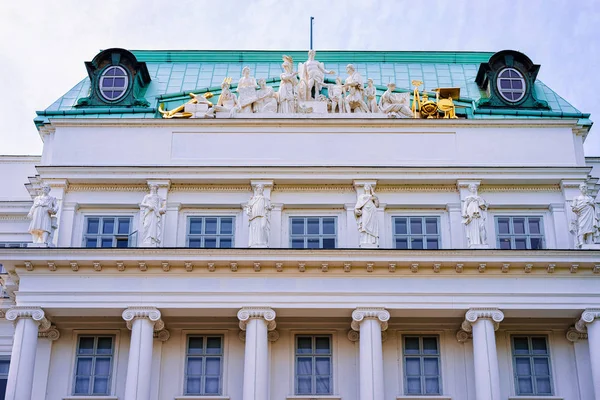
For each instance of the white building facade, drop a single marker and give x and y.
(255, 249)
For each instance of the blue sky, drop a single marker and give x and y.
(46, 43)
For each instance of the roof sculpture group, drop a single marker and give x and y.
(300, 92)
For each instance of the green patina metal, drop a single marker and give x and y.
(168, 77)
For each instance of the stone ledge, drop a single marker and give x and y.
(423, 397)
(90, 398)
(199, 397)
(538, 397)
(314, 397)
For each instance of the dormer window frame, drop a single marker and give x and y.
(112, 88)
(522, 91)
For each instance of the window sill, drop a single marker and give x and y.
(535, 397)
(199, 397)
(423, 397)
(90, 398)
(314, 397)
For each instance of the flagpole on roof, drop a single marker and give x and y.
(311, 32)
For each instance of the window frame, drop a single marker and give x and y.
(423, 235)
(521, 78)
(132, 235)
(421, 356)
(203, 356)
(313, 356)
(102, 88)
(202, 236)
(111, 377)
(543, 230)
(320, 235)
(529, 335)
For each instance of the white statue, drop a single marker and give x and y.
(289, 80)
(246, 90)
(312, 75)
(259, 212)
(474, 213)
(227, 101)
(41, 212)
(152, 210)
(586, 226)
(365, 212)
(354, 85)
(371, 93)
(395, 105)
(266, 99)
(336, 96)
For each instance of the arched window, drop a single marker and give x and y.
(113, 83)
(511, 85)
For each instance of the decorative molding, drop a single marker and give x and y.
(414, 268)
(550, 268)
(392, 267)
(354, 336)
(51, 334)
(313, 188)
(481, 268)
(165, 266)
(183, 187)
(28, 266)
(301, 267)
(587, 317)
(519, 188)
(369, 267)
(189, 267)
(74, 265)
(108, 188)
(233, 266)
(347, 267)
(256, 267)
(459, 268)
(573, 335)
(378, 313)
(528, 268)
(324, 267)
(142, 266)
(437, 267)
(163, 335)
(97, 266)
(279, 267)
(493, 314)
(247, 313)
(273, 336)
(415, 188)
(463, 336)
(596, 269)
(51, 266)
(573, 268)
(143, 312)
(14, 218)
(120, 266)
(211, 267)
(34, 313)
(505, 268)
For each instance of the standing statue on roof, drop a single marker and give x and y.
(246, 90)
(43, 209)
(312, 75)
(289, 81)
(371, 93)
(336, 96)
(586, 225)
(355, 86)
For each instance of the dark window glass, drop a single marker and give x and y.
(416, 233)
(521, 233)
(421, 365)
(531, 363)
(313, 232)
(210, 232)
(313, 365)
(107, 231)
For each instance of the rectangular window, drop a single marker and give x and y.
(531, 363)
(4, 365)
(109, 231)
(93, 365)
(204, 365)
(313, 232)
(210, 232)
(417, 233)
(313, 365)
(520, 233)
(421, 365)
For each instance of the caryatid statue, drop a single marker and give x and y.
(474, 214)
(259, 213)
(152, 208)
(41, 212)
(365, 212)
(312, 75)
(586, 225)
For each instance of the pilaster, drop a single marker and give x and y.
(590, 322)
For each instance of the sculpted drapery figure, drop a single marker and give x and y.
(365, 212)
(474, 214)
(395, 105)
(246, 90)
(289, 80)
(41, 212)
(586, 226)
(371, 93)
(152, 208)
(336, 95)
(354, 86)
(312, 75)
(259, 212)
(266, 99)
(227, 101)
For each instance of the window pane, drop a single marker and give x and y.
(106, 242)
(211, 385)
(413, 385)
(4, 366)
(519, 225)
(297, 226)
(104, 345)
(193, 385)
(304, 385)
(82, 385)
(537, 243)
(432, 244)
(312, 243)
(431, 226)
(322, 345)
(430, 366)
(312, 226)
(413, 366)
(523, 366)
(538, 345)
(505, 243)
(100, 385)
(411, 345)
(210, 242)
(401, 226)
(416, 243)
(194, 366)
(84, 366)
(430, 345)
(211, 226)
(213, 345)
(540, 366)
(102, 366)
(195, 345)
(329, 243)
(401, 243)
(213, 366)
(521, 345)
(416, 226)
(124, 226)
(86, 345)
(543, 385)
(226, 226)
(323, 385)
(122, 243)
(108, 225)
(534, 226)
(93, 225)
(328, 226)
(525, 386)
(520, 243)
(303, 345)
(432, 386)
(91, 242)
(297, 243)
(195, 243)
(304, 366)
(503, 225)
(195, 226)
(322, 366)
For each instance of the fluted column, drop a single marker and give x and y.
(370, 322)
(257, 322)
(590, 321)
(29, 321)
(142, 321)
(483, 322)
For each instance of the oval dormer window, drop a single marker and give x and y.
(113, 83)
(511, 85)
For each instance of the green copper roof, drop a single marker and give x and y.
(174, 72)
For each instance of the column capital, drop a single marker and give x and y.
(51, 334)
(573, 335)
(34, 313)
(248, 313)
(493, 314)
(587, 317)
(143, 312)
(377, 313)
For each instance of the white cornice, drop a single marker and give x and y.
(20, 159)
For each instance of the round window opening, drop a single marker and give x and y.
(511, 85)
(113, 83)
